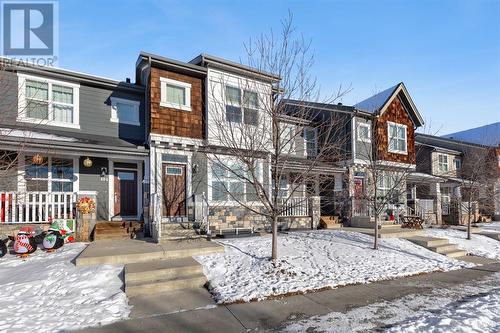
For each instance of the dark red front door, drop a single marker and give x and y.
(125, 193)
(174, 189)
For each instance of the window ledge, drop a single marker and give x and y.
(133, 123)
(400, 152)
(47, 122)
(175, 106)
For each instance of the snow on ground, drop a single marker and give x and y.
(478, 314)
(313, 260)
(48, 293)
(479, 245)
(464, 308)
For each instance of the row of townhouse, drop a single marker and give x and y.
(150, 150)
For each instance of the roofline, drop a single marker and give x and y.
(437, 148)
(438, 138)
(206, 58)
(333, 108)
(170, 63)
(401, 86)
(83, 77)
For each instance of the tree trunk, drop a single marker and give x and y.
(468, 221)
(274, 252)
(375, 242)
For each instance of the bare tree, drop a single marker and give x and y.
(386, 180)
(267, 139)
(478, 187)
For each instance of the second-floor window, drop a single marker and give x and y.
(175, 94)
(242, 106)
(364, 132)
(287, 138)
(396, 134)
(443, 163)
(125, 111)
(49, 102)
(458, 163)
(311, 141)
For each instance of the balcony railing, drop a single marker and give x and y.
(294, 207)
(36, 207)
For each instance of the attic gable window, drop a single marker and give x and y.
(175, 94)
(396, 134)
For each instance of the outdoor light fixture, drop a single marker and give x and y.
(87, 162)
(104, 172)
(37, 159)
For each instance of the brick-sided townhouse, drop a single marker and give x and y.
(465, 160)
(67, 135)
(379, 130)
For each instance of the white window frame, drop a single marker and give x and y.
(242, 104)
(369, 131)
(442, 163)
(227, 179)
(114, 112)
(315, 140)
(397, 151)
(288, 139)
(22, 185)
(180, 84)
(22, 116)
(458, 163)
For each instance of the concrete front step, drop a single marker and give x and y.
(455, 253)
(127, 251)
(161, 269)
(438, 245)
(429, 241)
(443, 249)
(196, 280)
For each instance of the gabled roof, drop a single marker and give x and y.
(378, 103)
(487, 135)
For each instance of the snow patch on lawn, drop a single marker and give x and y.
(313, 260)
(48, 293)
(479, 245)
(478, 314)
(443, 310)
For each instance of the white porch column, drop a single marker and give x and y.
(438, 209)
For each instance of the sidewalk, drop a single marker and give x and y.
(169, 312)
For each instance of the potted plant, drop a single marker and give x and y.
(86, 206)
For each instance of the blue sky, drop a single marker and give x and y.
(446, 52)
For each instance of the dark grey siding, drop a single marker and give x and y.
(363, 149)
(199, 179)
(90, 180)
(94, 106)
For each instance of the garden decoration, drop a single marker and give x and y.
(25, 243)
(58, 234)
(3, 245)
(86, 205)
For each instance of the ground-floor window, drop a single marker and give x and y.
(49, 174)
(231, 181)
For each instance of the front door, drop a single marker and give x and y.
(359, 208)
(125, 193)
(174, 189)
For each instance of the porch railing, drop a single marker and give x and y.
(294, 206)
(36, 207)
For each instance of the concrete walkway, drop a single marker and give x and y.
(194, 311)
